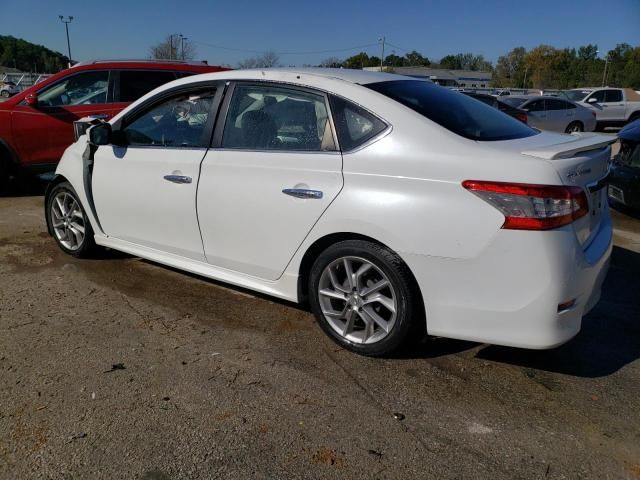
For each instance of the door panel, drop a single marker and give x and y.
(145, 192)
(135, 203)
(275, 139)
(43, 134)
(248, 224)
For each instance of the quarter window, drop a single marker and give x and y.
(178, 122)
(354, 124)
(82, 89)
(277, 118)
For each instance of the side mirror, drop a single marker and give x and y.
(100, 134)
(31, 99)
(592, 100)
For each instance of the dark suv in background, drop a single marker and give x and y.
(36, 125)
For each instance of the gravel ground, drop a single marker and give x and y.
(120, 368)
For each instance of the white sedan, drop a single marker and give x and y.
(391, 205)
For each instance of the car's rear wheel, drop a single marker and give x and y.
(4, 94)
(363, 297)
(575, 127)
(68, 221)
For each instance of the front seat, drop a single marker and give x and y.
(259, 130)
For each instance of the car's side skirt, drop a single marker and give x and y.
(285, 288)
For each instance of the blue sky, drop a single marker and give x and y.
(126, 29)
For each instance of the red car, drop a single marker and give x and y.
(36, 125)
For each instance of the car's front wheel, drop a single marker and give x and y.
(364, 297)
(4, 94)
(68, 221)
(575, 127)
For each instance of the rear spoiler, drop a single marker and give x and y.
(582, 143)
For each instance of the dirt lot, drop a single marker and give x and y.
(120, 368)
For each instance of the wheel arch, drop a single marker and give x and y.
(322, 243)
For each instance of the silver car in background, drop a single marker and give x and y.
(554, 114)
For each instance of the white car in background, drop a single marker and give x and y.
(554, 114)
(391, 205)
(8, 89)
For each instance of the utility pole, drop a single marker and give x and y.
(524, 82)
(66, 22)
(182, 39)
(604, 74)
(382, 40)
(171, 47)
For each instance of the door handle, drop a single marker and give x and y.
(178, 178)
(303, 193)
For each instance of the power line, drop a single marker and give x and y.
(310, 52)
(396, 46)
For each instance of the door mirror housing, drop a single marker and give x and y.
(592, 100)
(31, 99)
(100, 134)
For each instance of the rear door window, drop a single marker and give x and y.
(454, 111)
(613, 96)
(553, 104)
(265, 117)
(136, 83)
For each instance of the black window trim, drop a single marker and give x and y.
(156, 100)
(223, 115)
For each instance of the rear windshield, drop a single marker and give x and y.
(454, 111)
(513, 101)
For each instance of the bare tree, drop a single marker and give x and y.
(173, 47)
(266, 60)
(331, 62)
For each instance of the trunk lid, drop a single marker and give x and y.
(581, 160)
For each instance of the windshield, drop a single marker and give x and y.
(576, 95)
(454, 111)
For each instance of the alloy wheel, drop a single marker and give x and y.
(357, 300)
(68, 221)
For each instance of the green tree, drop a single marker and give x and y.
(26, 56)
(416, 59)
(510, 69)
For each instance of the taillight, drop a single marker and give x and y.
(522, 117)
(594, 114)
(532, 207)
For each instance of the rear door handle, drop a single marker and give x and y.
(178, 178)
(303, 193)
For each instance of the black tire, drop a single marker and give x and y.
(634, 117)
(87, 247)
(575, 127)
(408, 303)
(4, 94)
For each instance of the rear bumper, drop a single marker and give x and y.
(509, 294)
